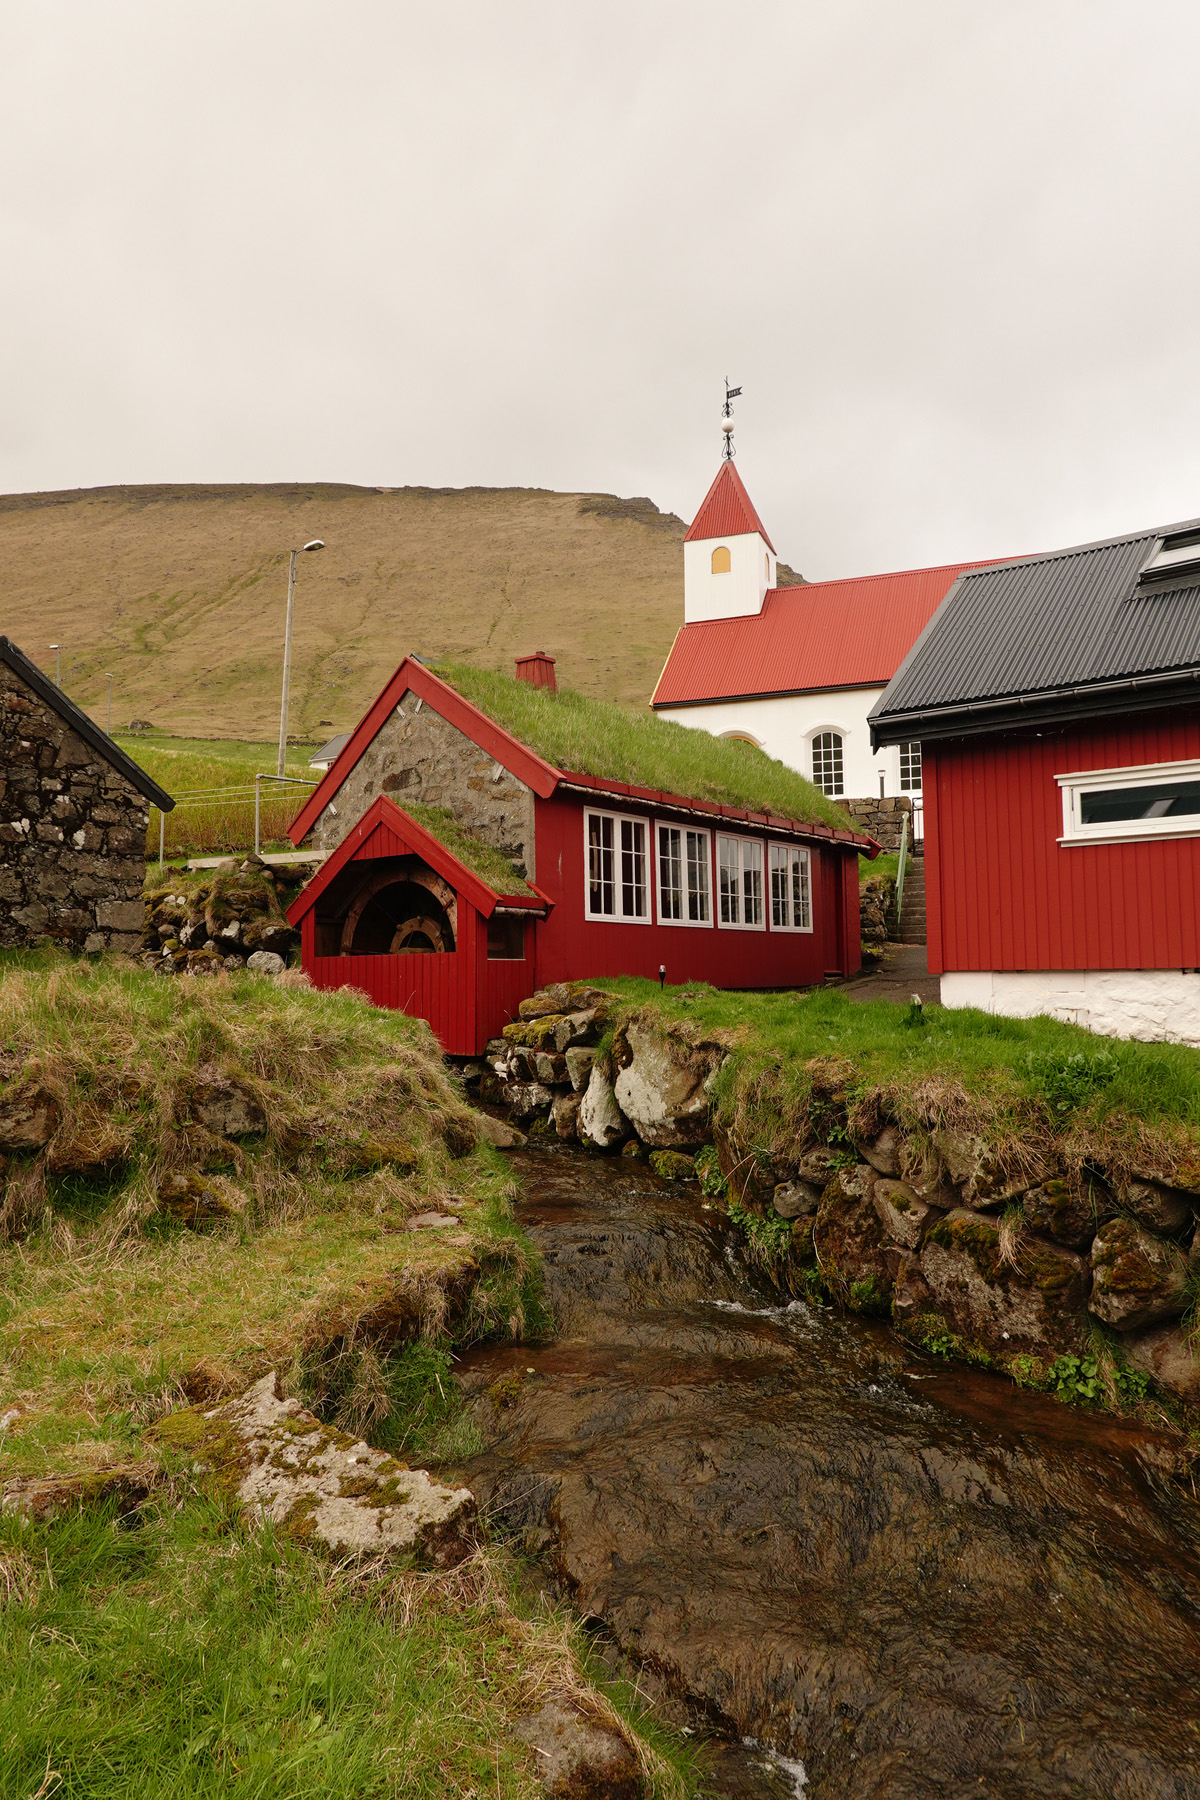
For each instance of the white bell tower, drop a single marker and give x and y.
(729, 562)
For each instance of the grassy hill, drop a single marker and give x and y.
(180, 593)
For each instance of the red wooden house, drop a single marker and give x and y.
(467, 868)
(1056, 704)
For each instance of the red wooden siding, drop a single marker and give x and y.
(1003, 893)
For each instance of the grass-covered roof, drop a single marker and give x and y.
(480, 858)
(595, 737)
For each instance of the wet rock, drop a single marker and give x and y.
(672, 1165)
(659, 1086)
(1037, 1307)
(1067, 1214)
(578, 1759)
(564, 1115)
(579, 1066)
(849, 1239)
(881, 1152)
(1167, 1355)
(319, 1483)
(527, 1097)
(495, 1131)
(28, 1119)
(796, 1199)
(905, 1217)
(1157, 1208)
(600, 1120)
(974, 1168)
(265, 962)
(1137, 1278)
(226, 1109)
(635, 1150)
(470, 1073)
(911, 1294)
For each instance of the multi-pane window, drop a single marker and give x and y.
(740, 882)
(1151, 800)
(683, 877)
(618, 885)
(791, 888)
(827, 762)
(910, 768)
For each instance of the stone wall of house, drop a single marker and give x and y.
(419, 755)
(879, 818)
(72, 833)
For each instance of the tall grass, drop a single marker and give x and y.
(213, 787)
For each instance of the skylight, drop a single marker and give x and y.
(1175, 555)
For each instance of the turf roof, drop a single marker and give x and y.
(480, 858)
(595, 737)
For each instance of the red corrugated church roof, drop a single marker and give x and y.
(726, 510)
(825, 634)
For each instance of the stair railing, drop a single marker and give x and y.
(900, 868)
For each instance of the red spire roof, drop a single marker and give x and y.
(727, 510)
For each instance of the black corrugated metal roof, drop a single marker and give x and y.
(1051, 636)
(79, 721)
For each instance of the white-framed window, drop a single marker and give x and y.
(910, 768)
(684, 876)
(1109, 806)
(791, 888)
(740, 883)
(618, 874)
(827, 762)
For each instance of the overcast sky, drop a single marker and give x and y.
(948, 248)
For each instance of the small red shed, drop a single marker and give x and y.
(1055, 702)
(466, 868)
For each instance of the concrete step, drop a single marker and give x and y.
(912, 918)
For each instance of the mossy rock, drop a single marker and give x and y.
(671, 1165)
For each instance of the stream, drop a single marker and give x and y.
(913, 1580)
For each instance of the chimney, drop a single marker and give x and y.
(537, 670)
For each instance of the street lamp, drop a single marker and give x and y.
(56, 648)
(108, 721)
(316, 544)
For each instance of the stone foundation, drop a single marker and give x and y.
(880, 818)
(1157, 1005)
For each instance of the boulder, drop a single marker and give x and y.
(910, 1291)
(818, 1165)
(659, 1086)
(881, 1152)
(319, 1483)
(197, 1200)
(1165, 1353)
(796, 1199)
(555, 999)
(526, 1098)
(564, 1114)
(578, 1759)
(224, 1108)
(600, 1121)
(905, 1217)
(1067, 1214)
(549, 1067)
(1137, 1278)
(1157, 1207)
(579, 1066)
(495, 1131)
(1036, 1307)
(265, 962)
(973, 1167)
(849, 1240)
(28, 1119)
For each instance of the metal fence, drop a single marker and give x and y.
(223, 819)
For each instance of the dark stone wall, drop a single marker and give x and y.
(72, 833)
(880, 819)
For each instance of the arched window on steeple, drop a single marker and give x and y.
(721, 562)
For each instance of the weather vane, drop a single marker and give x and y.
(731, 395)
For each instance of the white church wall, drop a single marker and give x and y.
(784, 726)
(736, 595)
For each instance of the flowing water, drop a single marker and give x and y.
(914, 1581)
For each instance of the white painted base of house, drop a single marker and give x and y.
(1158, 1005)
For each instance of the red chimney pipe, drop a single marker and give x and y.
(537, 670)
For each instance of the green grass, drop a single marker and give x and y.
(593, 737)
(480, 858)
(175, 1655)
(213, 826)
(885, 866)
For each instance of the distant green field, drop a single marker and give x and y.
(194, 771)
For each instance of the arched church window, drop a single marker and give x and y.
(721, 562)
(827, 762)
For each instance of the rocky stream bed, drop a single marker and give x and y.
(913, 1578)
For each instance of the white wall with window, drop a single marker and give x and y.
(787, 726)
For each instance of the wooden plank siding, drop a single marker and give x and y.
(1002, 892)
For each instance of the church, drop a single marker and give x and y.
(794, 669)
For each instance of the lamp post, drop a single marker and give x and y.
(108, 720)
(316, 544)
(57, 664)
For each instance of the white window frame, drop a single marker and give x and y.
(739, 924)
(840, 734)
(789, 850)
(1122, 831)
(908, 746)
(706, 836)
(619, 916)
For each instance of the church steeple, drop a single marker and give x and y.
(729, 562)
